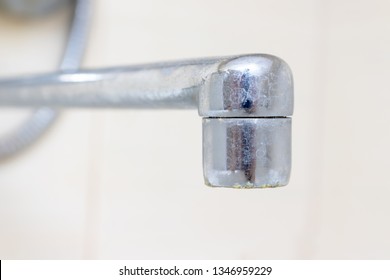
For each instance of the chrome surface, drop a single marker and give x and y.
(244, 101)
(209, 84)
(246, 152)
(248, 86)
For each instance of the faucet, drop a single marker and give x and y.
(245, 103)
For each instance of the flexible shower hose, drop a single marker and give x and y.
(42, 118)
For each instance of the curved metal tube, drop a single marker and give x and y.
(41, 119)
(265, 86)
(244, 101)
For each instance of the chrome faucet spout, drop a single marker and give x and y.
(244, 100)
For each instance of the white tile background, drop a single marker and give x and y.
(128, 184)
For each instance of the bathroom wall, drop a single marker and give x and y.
(127, 184)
